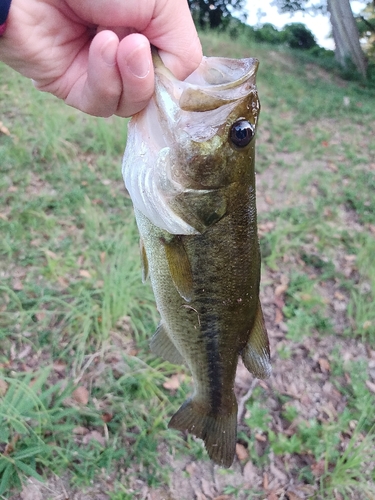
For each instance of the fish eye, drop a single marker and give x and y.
(241, 133)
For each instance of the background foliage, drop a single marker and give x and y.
(84, 405)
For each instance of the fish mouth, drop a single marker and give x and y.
(201, 104)
(216, 82)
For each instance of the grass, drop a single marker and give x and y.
(75, 315)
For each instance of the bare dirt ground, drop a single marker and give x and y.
(304, 378)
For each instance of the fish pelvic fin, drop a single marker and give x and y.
(162, 346)
(256, 354)
(218, 431)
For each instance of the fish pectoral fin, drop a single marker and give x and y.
(256, 354)
(162, 346)
(200, 208)
(218, 431)
(144, 261)
(179, 267)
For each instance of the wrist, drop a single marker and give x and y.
(4, 11)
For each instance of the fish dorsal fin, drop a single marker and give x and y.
(162, 346)
(256, 354)
(144, 261)
(179, 267)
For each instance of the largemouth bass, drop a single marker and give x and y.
(189, 169)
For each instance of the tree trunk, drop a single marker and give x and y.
(346, 36)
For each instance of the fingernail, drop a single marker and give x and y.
(109, 52)
(138, 64)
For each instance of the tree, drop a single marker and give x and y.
(298, 36)
(344, 27)
(215, 13)
(346, 35)
(366, 28)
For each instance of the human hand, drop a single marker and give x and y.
(96, 55)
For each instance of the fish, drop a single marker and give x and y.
(189, 169)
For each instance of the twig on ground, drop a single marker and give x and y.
(244, 399)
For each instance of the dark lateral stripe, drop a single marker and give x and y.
(210, 334)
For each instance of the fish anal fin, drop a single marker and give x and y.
(256, 354)
(179, 267)
(218, 432)
(144, 261)
(162, 346)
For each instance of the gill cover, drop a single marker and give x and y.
(179, 115)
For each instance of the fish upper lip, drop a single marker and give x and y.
(199, 93)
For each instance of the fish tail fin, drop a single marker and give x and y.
(218, 432)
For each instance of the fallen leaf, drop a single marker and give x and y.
(84, 274)
(281, 289)
(278, 474)
(102, 257)
(279, 317)
(62, 281)
(17, 285)
(174, 382)
(50, 254)
(80, 430)
(250, 473)
(59, 366)
(40, 315)
(3, 129)
(338, 495)
(207, 488)
(273, 495)
(94, 436)
(265, 481)
(80, 260)
(324, 365)
(191, 468)
(107, 417)
(241, 452)
(81, 395)
(199, 495)
(318, 468)
(260, 437)
(3, 387)
(293, 496)
(333, 167)
(370, 385)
